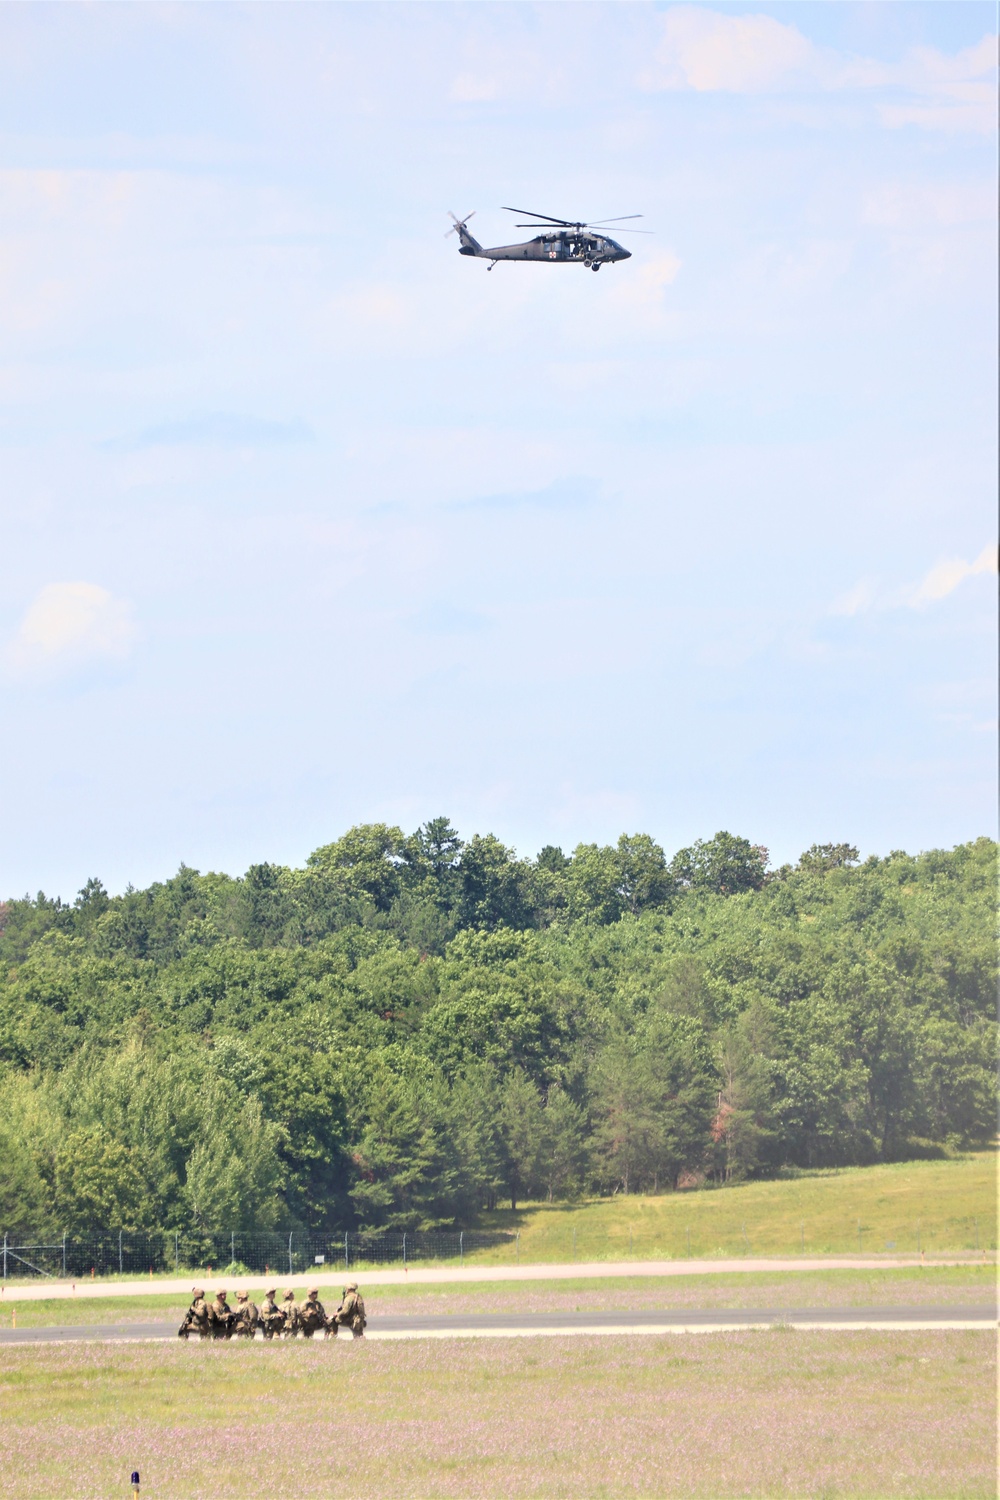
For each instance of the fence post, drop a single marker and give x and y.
(121, 1267)
(177, 1261)
(290, 1252)
(517, 1246)
(5, 1250)
(461, 1247)
(64, 1255)
(232, 1245)
(404, 1249)
(347, 1263)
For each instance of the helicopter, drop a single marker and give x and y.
(564, 241)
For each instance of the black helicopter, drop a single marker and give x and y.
(563, 242)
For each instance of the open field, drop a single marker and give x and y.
(932, 1206)
(964, 1285)
(776, 1414)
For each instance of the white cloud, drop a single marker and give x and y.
(859, 599)
(940, 581)
(708, 52)
(67, 624)
(954, 93)
(944, 578)
(650, 280)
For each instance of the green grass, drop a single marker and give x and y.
(783, 1415)
(937, 1207)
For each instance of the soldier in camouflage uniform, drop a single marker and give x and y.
(196, 1318)
(291, 1312)
(351, 1312)
(246, 1317)
(312, 1314)
(272, 1319)
(221, 1317)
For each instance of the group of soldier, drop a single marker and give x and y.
(217, 1320)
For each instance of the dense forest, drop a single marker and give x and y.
(410, 1030)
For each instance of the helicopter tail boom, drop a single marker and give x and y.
(467, 243)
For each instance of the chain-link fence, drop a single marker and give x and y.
(123, 1253)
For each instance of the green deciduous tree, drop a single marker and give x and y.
(494, 886)
(98, 1185)
(723, 865)
(234, 1176)
(607, 883)
(369, 861)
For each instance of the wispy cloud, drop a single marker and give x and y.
(709, 51)
(937, 583)
(944, 578)
(561, 494)
(217, 429)
(68, 624)
(706, 51)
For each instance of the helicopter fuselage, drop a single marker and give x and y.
(561, 247)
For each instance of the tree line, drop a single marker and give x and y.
(410, 1030)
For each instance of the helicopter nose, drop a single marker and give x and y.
(625, 255)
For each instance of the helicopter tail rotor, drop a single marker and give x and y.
(466, 244)
(459, 224)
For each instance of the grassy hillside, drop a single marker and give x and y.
(934, 1206)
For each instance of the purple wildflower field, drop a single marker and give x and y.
(759, 1414)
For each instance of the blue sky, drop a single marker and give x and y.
(309, 521)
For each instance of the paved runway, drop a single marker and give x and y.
(514, 1325)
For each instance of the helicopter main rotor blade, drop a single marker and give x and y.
(619, 219)
(586, 226)
(566, 223)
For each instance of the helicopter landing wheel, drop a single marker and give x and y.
(596, 267)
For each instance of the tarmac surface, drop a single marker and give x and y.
(513, 1325)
